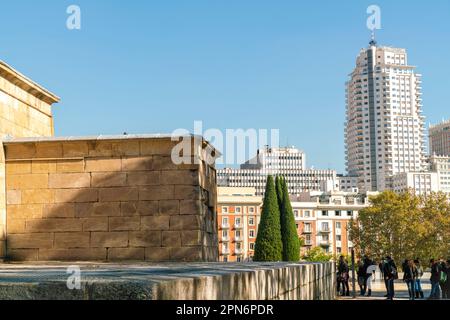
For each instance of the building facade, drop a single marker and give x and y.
(441, 165)
(239, 213)
(288, 162)
(420, 183)
(384, 131)
(322, 220)
(439, 137)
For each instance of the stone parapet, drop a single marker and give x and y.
(182, 281)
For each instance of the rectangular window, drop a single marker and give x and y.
(251, 233)
(225, 209)
(251, 221)
(307, 213)
(252, 246)
(324, 213)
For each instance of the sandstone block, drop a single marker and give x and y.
(23, 254)
(43, 166)
(191, 238)
(20, 151)
(36, 196)
(95, 224)
(190, 207)
(144, 178)
(157, 254)
(118, 254)
(137, 164)
(145, 238)
(27, 181)
(72, 240)
(119, 194)
(30, 241)
(171, 239)
(53, 225)
(177, 177)
(125, 148)
(156, 193)
(186, 254)
(103, 165)
(76, 195)
(49, 150)
(18, 167)
(69, 166)
(110, 179)
(28, 211)
(185, 222)
(13, 197)
(140, 208)
(187, 192)
(69, 180)
(155, 223)
(109, 239)
(97, 209)
(124, 223)
(169, 207)
(15, 225)
(156, 147)
(60, 210)
(73, 254)
(75, 149)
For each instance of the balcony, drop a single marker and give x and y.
(308, 243)
(225, 252)
(225, 226)
(225, 239)
(238, 239)
(238, 251)
(325, 230)
(324, 243)
(238, 226)
(307, 231)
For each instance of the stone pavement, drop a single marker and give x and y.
(401, 289)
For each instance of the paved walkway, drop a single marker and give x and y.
(379, 289)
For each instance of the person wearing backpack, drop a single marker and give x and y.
(418, 284)
(390, 274)
(343, 275)
(434, 279)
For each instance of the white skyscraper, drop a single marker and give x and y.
(385, 131)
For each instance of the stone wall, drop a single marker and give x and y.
(107, 199)
(25, 111)
(180, 281)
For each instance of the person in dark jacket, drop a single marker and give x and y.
(410, 275)
(361, 273)
(434, 279)
(390, 273)
(343, 275)
(446, 284)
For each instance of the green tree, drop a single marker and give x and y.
(317, 254)
(291, 241)
(279, 188)
(268, 245)
(403, 226)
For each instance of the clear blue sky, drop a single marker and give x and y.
(154, 66)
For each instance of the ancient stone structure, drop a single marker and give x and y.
(97, 198)
(108, 199)
(25, 111)
(180, 281)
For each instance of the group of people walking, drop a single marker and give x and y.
(412, 275)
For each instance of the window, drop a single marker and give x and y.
(324, 213)
(338, 250)
(296, 214)
(307, 213)
(225, 221)
(338, 237)
(237, 221)
(238, 209)
(225, 209)
(251, 209)
(338, 225)
(251, 221)
(325, 226)
(224, 234)
(238, 259)
(251, 233)
(307, 227)
(252, 246)
(337, 213)
(350, 213)
(225, 259)
(237, 234)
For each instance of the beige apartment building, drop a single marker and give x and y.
(322, 220)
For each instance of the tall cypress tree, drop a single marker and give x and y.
(279, 189)
(269, 246)
(291, 241)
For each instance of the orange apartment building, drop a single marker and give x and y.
(322, 220)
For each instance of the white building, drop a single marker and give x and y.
(421, 183)
(384, 124)
(439, 136)
(288, 162)
(347, 183)
(441, 165)
(323, 219)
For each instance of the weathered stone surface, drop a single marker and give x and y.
(145, 239)
(119, 194)
(69, 180)
(124, 223)
(109, 239)
(72, 240)
(155, 223)
(167, 281)
(116, 179)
